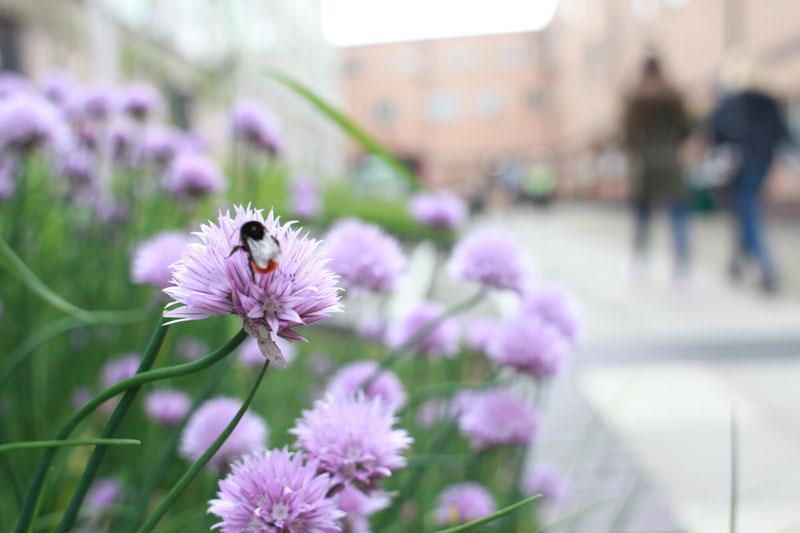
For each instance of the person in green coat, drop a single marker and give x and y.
(655, 127)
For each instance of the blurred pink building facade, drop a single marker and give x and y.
(466, 108)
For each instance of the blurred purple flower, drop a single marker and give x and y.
(7, 183)
(59, 88)
(553, 305)
(438, 208)
(353, 439)
(28, 122)
(496, 417)
(81, 396)
(120, 368)
(167, 406)
(529, 345)
(191, 349)
(99, 101)
(12, 83)
(544, 480)
(364, 256)
(462, 503)
(491, 258)
(152, 258)
(140, 100)
(250, 354)
(275, 491)
(258, 126)
(441, 341)
(209, 421)
(386, 386)
(122, 140)
(78, 166)
(160, 144)
(304, 201)
(193, 174)
(478, 333)
(359, 507)
(102, 494)
(209, 281)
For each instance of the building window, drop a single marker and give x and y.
(353, 66)
(442, 107)
(515, 54)
(384, 112)
(407, 63)
(537, 99)
(491, 103)
(460, 59)
(9, 45)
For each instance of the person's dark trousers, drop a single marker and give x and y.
(678, 215)
(746, 203)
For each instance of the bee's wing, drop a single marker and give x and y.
(263, 251)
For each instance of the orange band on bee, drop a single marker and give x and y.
(271, 266)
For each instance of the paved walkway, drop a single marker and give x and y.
(664, 367)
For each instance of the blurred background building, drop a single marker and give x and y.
(201, 53)
(475, 109)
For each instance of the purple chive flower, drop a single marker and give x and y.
(496, 417)
(364, 256)
(544, 480)
(209, 421)
(59, 89)
(478, 333)
(152, 258)
(160, 144)
(359, 507)
(191, 349)
(99, 101)
(353, 439)
(275, 491)
(441, 341)
(7, 183)
(529, 345)
(304, 200)
(78, 166)
(28, 122)
(386, 386)
(140, 100)
(438, 208)
(122, 140)
(12, 83)
(209, 281)
(553, 305)
(167, 406)
(258, 126)
(462, 503)
(120, 368)
(491, 258)
(102, 494)
(193, 174)
(250, 354)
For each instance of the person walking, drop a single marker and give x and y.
(655, 126)
(750, 122)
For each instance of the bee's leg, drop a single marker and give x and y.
(236, 249)
(252, 272)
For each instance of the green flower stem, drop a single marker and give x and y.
(502, 512)
(423, 332)
(190, 474)
(20, 270)
(35, 444)
(165, 455)
(148, 358)
(40, 501)
(122, 386)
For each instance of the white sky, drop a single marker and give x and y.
(353, 22)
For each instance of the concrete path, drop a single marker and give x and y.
(664, 367)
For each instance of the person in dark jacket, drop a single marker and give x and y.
(655, 127)
(751, 122)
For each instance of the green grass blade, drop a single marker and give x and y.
(38, 509)
(35, 444)
(189, 475)
(358, 134)
(492, 517)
